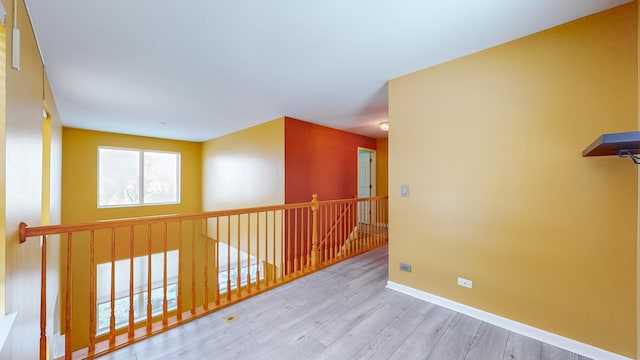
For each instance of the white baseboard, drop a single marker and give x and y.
(511, 325)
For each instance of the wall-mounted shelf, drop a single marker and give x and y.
(626, 144)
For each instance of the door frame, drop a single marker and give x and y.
(373, 170)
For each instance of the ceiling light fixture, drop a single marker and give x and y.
(384, 126)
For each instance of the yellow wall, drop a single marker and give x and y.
(490, 145)
(245, 168)
(638, 229)
(382, 167)
(3, 77)
(79, 175)
(79, 205)
(22, 191)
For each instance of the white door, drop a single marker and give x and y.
(366, 183)
(364, 174)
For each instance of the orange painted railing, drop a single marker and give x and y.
(126, 280)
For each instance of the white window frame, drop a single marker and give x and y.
(141, 201)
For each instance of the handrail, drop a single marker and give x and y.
(253, 250)
(25, 231)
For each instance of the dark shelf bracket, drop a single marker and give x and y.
(624, 144)
(627, 153)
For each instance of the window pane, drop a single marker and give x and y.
(160, 177)
(118, 177)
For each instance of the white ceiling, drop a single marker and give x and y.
(197, 69)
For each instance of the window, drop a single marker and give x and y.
(140, 289)
(129, 177)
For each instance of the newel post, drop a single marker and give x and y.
(315, 251)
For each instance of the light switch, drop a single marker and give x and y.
(404, 190)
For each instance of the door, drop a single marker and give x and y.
(366, 183)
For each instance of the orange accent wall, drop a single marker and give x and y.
(320, 160)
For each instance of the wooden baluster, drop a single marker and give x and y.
(165, 303)
(288, 242)
(275, 263)
(386, 220)
(381, 221)
(43, 300)
(370, 218)
(149, 279)
(335, 230)
(353, 225)
(332, 238)
(322, 226)
(361, 227)
(374, 225)
(365, 213)
(67, 310)
(329, 215)
(296, 255)
(205, 301)
(266, 248)
(308, 240)
(228, 258)
(344, 236)
(372, 221)
(324, 216)
(365, 227)
(258, 272)
(378, 221)
(343, 227)
(249, 253)
(180, 250)
(356, 217)
(282, 260)
(217, 261)
(193, 267)
(92, 293)
(131, 294)
(112, 296)
(239, 265)
(338, 231)
(370, 225)
(314, 235)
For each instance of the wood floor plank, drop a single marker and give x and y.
(456, 340)
(554, 353)
(421, 342)
(304, 348)
(489, 342)
(382, 345)
(349, 318)
(386, 342)
(341, 312)
(522, 348)
(357, 337)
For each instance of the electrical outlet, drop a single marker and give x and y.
(405, 267)
(465, 283)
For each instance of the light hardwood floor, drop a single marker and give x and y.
(342, 312)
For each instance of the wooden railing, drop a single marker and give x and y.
(125, 280)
